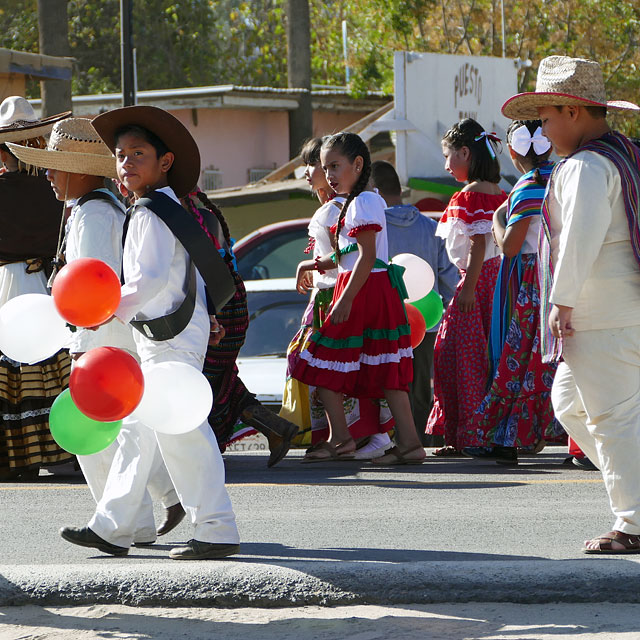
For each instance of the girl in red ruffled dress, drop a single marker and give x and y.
(363, 349)
(461, 362)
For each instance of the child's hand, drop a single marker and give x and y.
(341, 311)
(304, 279)
(466, 300)
(216, 333)
(560, 321)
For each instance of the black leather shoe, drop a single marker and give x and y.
(173, 517)
(196, 550)
(279, 431)
(84, 537)
(507, 456)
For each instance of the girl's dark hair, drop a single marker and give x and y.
(310, 151)
(535, 159)
(148, 136)
(351, 146)
(193, 205)
(482, 165)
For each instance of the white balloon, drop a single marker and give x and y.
(177, 398)
(31, 329)
(418, 276)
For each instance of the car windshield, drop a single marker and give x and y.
(274, 318)
(277, 256)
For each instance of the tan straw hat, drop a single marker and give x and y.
(18, 120)
(563, 81)
(74, 146)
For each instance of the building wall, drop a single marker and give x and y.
(11, 84)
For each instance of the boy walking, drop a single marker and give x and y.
(590, 280)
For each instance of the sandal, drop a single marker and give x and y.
(331, 452)
(396, 457)
(448, 452)
(631, 543)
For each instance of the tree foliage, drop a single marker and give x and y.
(203, 42)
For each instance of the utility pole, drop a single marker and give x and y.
(299, 72)
(126, 53)
(53, 27)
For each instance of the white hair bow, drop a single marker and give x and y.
(521, 141)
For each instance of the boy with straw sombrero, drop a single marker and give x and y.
(590, 280)
(77, 164)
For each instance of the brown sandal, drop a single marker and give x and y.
(631, 543)
(396, 457)
(448, 452)
(332, 451)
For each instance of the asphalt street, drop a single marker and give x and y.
(451, 530)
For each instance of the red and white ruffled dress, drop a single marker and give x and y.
(461, 361)
(372, 351)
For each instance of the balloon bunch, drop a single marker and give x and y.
(424, 304)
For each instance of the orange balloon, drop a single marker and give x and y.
(417, 324)
(86, 292)
(106, 384)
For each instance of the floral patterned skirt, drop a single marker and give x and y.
(461, 363)
(517, 410)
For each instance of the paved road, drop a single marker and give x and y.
(449, 530)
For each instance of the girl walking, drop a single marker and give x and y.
(517, 410)
(460, 354)
(363, 349)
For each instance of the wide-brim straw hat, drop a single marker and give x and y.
(185, 171)
(75, 147)
(18, 120)
(564, 81)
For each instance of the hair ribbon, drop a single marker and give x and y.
(489, 138)
(521, 141)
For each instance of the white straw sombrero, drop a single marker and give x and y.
(18, 120)
(74, 146)
(564, 81)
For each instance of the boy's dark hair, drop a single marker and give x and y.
(385, 178)
(535, 159)
(482, 165)
(595, 111)
(310, 151)
(350, 145)
(148, 136)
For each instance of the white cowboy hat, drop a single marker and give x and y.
(75, 147)
(564, 81)
(18, 120)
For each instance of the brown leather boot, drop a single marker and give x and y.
(173, 517)
(278, 431)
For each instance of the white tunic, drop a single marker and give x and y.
(320, 230)
(155, 267)
(595, 271)
(94, 230)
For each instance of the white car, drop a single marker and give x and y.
(275, 313)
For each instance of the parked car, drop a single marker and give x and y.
(273, 251)
(275, 312)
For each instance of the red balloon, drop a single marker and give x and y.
(106, 384)
(86, 292)
(417, 324)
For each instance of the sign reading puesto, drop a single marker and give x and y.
(467, 82)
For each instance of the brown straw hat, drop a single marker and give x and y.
(74, 146)
(564, 81)
(185, 171)
(18, 120)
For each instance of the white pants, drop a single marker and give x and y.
(596, 397)
(196, 468)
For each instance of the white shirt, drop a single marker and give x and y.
(595, 271)
(365, 209)
(95, 231)
(155, 267)
(320, 230)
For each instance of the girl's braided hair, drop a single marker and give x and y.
(196, 198)
(535, 159)
(351, 146)
(482, 166)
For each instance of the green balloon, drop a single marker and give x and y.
(77, 433)
(431, 308)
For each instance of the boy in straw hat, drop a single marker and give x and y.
(77, 163)
(590, 280)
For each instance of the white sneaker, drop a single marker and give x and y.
(377, 445)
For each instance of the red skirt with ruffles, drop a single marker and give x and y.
(367, 354)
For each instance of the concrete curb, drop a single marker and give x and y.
(244, 584)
